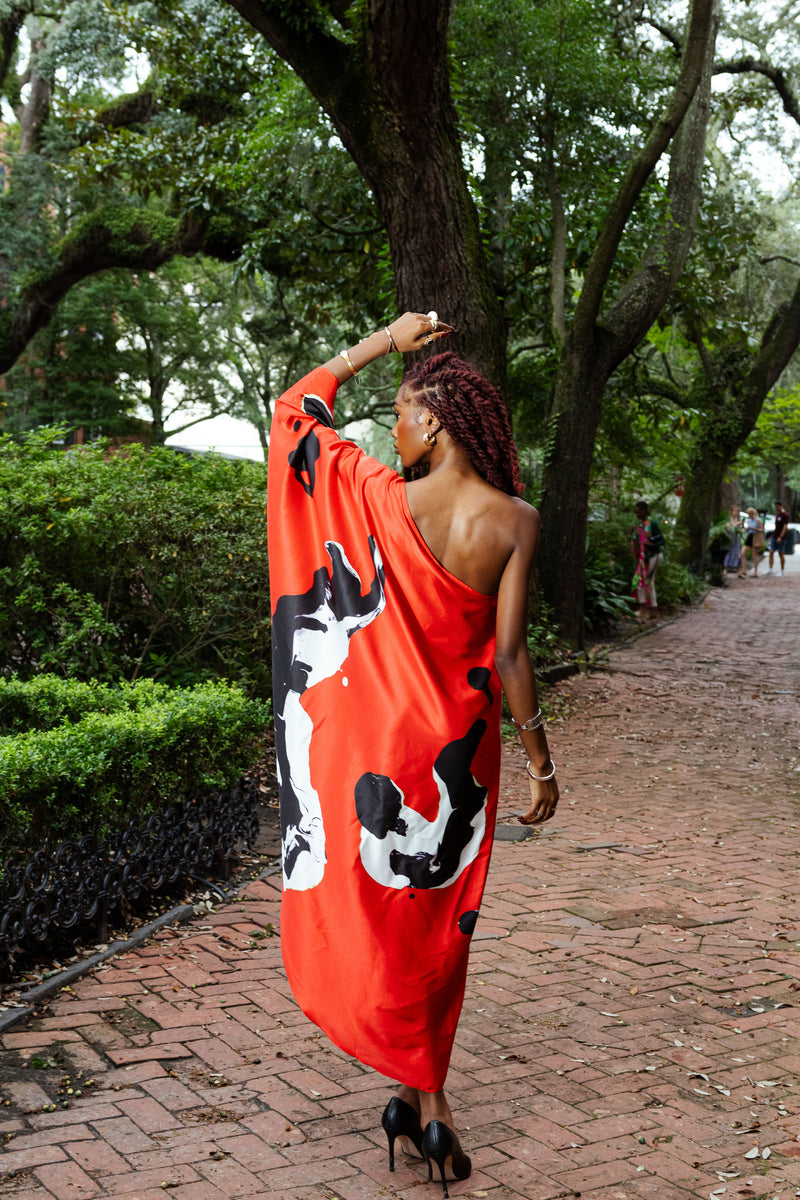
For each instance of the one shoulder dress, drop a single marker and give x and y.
(387, 730)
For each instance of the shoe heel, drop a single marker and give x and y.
(400, 1120)
(440, 1161)
(439, 1144)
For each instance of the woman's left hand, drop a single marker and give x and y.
(544, 801)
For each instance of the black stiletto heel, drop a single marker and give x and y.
(439, 1144)
(400, 1120)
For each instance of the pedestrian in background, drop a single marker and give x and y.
(647, 544)
(733, 559)
(754, 539)
(777, 539)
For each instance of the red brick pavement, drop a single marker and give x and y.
(630, 1028)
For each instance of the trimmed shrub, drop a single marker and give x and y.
(94, 773)
(47, 700)
(121, 566)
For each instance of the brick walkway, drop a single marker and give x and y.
(629, 1029)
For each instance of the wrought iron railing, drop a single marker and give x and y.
(82, 883)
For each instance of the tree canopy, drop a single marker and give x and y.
(568, 182)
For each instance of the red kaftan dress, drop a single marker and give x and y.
(387, 723)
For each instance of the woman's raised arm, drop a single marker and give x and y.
(412, 331)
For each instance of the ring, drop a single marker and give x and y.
(428, 339)
(433, 317)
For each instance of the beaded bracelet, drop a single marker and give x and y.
(540, 778)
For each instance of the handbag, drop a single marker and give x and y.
(758, 539)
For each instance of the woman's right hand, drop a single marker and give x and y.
(413, 331)
(544, 801)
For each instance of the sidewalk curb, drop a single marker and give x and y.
(176, 916)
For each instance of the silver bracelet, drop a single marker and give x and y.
(532, 723)
(540, 778)
(392, 348)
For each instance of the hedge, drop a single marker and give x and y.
(47, 701)
(97, 770)
(142, 563)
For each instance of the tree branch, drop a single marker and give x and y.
(296, 33)
(780, 341)
(137, 108)
(629, 316)
(664, 388)
(116, 236)
(776, 77)
(702, 30)
(779, 258)
(668, 35)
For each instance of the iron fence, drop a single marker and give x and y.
(81, 883)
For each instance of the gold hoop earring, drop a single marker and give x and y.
(429, 438)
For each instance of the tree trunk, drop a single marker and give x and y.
(700, 505)
(10, 24)
(730, 493)
(598, 342)
(728, 424)
(565, 503)
(387, 91)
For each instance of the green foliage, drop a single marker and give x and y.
(96, 770)
(776, 437)
(123, 565)
(70, 371)
(677, 585)
(46, 701)
(607, 591)
(543, 637)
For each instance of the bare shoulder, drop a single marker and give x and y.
(523, 519)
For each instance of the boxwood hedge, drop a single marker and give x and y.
(97, 756)
(142, 563)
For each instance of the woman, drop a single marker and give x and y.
(399, 610)
(647, 542)
(754, 539)
(733, 557)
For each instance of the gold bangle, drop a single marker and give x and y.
(392, 348)
(343, 354)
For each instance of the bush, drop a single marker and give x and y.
(677, 585)
(145, 563)
(151, 748)
(608, 589)
(47, 700)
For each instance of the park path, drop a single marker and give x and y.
(630, 1027)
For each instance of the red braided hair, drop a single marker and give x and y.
(472, 412)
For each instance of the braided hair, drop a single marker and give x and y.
(472, 412)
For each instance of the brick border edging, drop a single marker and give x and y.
(176, 916)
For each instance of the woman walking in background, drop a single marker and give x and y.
(754, 539)
(400, 608)
(733, 559)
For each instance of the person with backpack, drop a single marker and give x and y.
(647, 544)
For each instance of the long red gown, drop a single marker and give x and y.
(387, 722)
